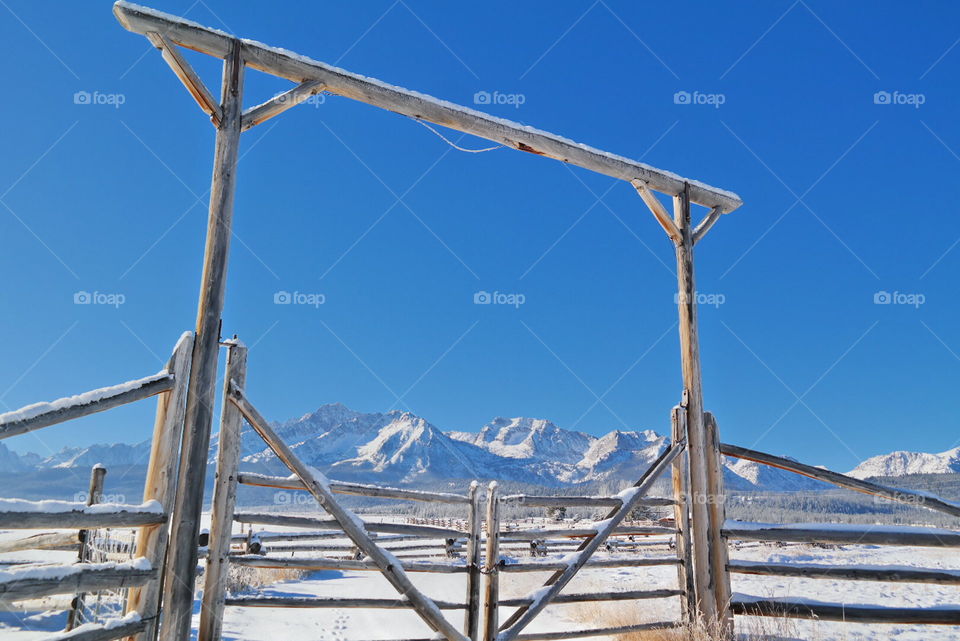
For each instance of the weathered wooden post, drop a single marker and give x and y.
(681, 514)
(224, 499)
(181, 570)
(697, 454)
(471, 622)
(161, 482)
(94, 495)
(492, 565)
(719, 553)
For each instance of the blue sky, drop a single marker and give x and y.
(844, 198)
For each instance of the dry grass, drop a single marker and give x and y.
(618, 614)
(240, 578)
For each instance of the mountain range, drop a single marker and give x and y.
(401, 448)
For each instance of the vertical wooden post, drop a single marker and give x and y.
(471, 622)
(693, 390)
(681, 514)
(224, 499)
(720, 554)
(161, 483)
(181, 570)
(94, 495)
(492, 565)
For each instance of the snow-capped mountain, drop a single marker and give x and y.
(901, 463)
(400, 448)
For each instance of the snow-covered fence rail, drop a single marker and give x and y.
(842, 480)
(844, 534)
(47, 580)
(33, 417)
(17, 514)
(356, 489)
(138, 579)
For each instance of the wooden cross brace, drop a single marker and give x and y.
(250, 117)
(352, 526)
(542, 597)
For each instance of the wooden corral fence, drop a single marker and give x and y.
(141, 576)
(832, 534)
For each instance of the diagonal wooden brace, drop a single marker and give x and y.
(187, 76)
(542, 597)
(352, 526)
(708, 221)
(659, 211)
(278, 104)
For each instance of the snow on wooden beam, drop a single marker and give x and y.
(278, 104)
(33, 417)
(18, 514)
(297, 68)
(47, 580)
(910, 497)
(842, 534)
(528, 500)
(113, 629)
(807, 609)
(898, 574)
(357, 489)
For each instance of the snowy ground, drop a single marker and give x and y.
(267, 624)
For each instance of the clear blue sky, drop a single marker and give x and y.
(843, 197)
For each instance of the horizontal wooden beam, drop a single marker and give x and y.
(848, 573)
(278, 104)
(356, 489)
(843, 612)
(841, 480)
(867, 535)
(71, 582)
(301, 563)
(127, 516)
(31, 417)
(331, 602)
(42, 541)
(626, 530)
(554, 566)
(529, 500)
(598, 596)
(284, 520)
(297, 68)
(182, 69)
(100, 632)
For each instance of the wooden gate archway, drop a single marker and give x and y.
(708, 575)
